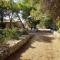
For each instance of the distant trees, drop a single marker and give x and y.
(37, 9)
(53, 6)
(46, 6)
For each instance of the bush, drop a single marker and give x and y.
(11, 34)
(58, 25)
(32, 23)
(1, 38)
(48, 23)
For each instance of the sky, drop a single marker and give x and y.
(15, 0)
(18, 0)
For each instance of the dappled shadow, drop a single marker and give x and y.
(40, 36)
(18, 53)
(45, 39)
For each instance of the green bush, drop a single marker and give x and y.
(58, 25)
(48, 23)
(1, 38)
(11, 34)
(32, 23)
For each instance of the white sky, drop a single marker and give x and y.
(15, 0)
(18, 0)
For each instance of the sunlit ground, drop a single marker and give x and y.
(41, 47)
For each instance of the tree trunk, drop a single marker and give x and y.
(21, 21)
(1, 18)
(11, 21)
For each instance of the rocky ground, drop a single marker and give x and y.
(43, 46)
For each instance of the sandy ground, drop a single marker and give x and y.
(41, 47)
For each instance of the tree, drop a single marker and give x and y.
(32, 23)
(14, 6)
(53, 7)
(3, 6)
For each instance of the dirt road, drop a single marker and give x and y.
(41, 47)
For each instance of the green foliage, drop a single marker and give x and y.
(11, 34)
(58, 24)
(33, 23)
(10, 4)
(27, 10)
(41, 13)
(48, 23)
(1, 36)
(39, 9)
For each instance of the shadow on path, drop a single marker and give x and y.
(41, 36)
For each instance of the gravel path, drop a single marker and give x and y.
(41, 47)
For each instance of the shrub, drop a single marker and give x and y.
(58, 25)
(32, 23)
(1, 38)
(11, 34)
(48, 23)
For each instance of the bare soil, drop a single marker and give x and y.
(43, 46)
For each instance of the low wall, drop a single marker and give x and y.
(12, 46)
